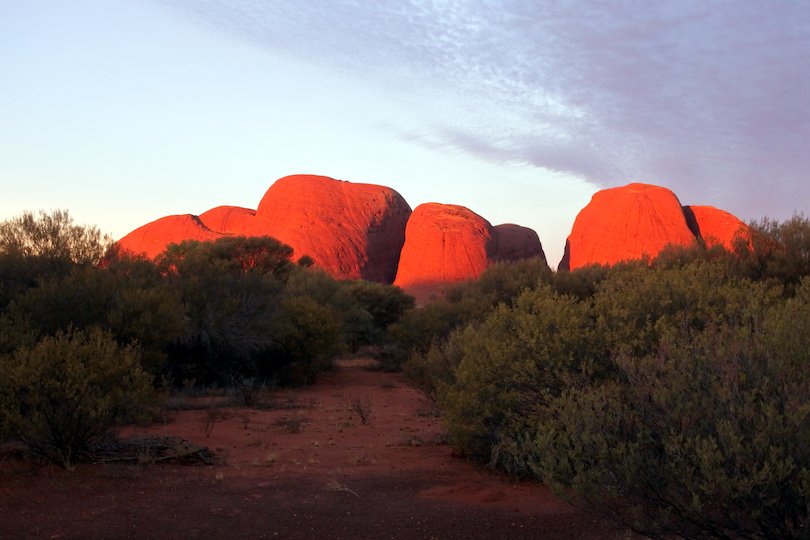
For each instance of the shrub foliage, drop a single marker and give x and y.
(672, 395)
(65, 394)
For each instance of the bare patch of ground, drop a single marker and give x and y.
(302, 465)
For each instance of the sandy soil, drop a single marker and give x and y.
(303, 466)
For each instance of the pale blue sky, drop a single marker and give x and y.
(123, 111)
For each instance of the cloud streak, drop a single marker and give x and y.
(705, 97)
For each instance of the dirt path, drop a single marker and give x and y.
(306, 468)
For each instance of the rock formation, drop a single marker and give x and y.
(230, 220)
(638, 220)
(350, 230)
(151, 239)
(715, 226)
(444, 243)
(353, 231)
(625, 223)
(513, 242)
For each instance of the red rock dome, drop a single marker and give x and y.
(350, 230)
(626, 223)
(444, 243)
(151, 239)
(230, 220)
(715, 226)
(514, 242)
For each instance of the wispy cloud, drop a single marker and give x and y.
(702, 96)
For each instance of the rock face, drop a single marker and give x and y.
(514, 242)
(444, 243)
(353, 231)
(625, 223)
(715, 226)
(350, 230)
(230, 220)
(151, 239)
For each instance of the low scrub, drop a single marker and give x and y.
(64, 395)
(676, 401)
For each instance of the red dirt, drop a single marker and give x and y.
(305, 469)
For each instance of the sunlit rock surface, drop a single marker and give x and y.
(715, 226)
(151, 239)
(626, 223)
(350, 230)
(233, 220)
(444, 243)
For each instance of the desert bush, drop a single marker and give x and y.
(53, 236)
(66, 393)
(420, 327)
(20, 273)
(675, 401)
(362, 408)
(246, 391)
(47, 245)
(376, 307)
(135, 309)
(502, 283)
(509, 364)
(230, 306)
(636, 306)
(709, 438)
(385, 303)
(308, 336)
(779, 250)
(363, 309)
(435, 369)
(232, 255)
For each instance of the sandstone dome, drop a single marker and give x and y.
(513, 243)
(626, 223)
(151, 239)
(444, 243)
(353, 231)
(230, 220)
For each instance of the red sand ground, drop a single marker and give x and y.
(305, 469)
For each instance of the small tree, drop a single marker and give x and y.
(53, 236)
(65, 394)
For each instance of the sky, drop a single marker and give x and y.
(124, 111)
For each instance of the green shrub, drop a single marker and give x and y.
(435, 369)
(131, 300)
(308, 336)
(677, 401)
(65, 394)
(780, 250)
(384, 304)
(509, 365)
(230, 292)
(465, 303)
(53, 236)
(709, 438)
(635, 307)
